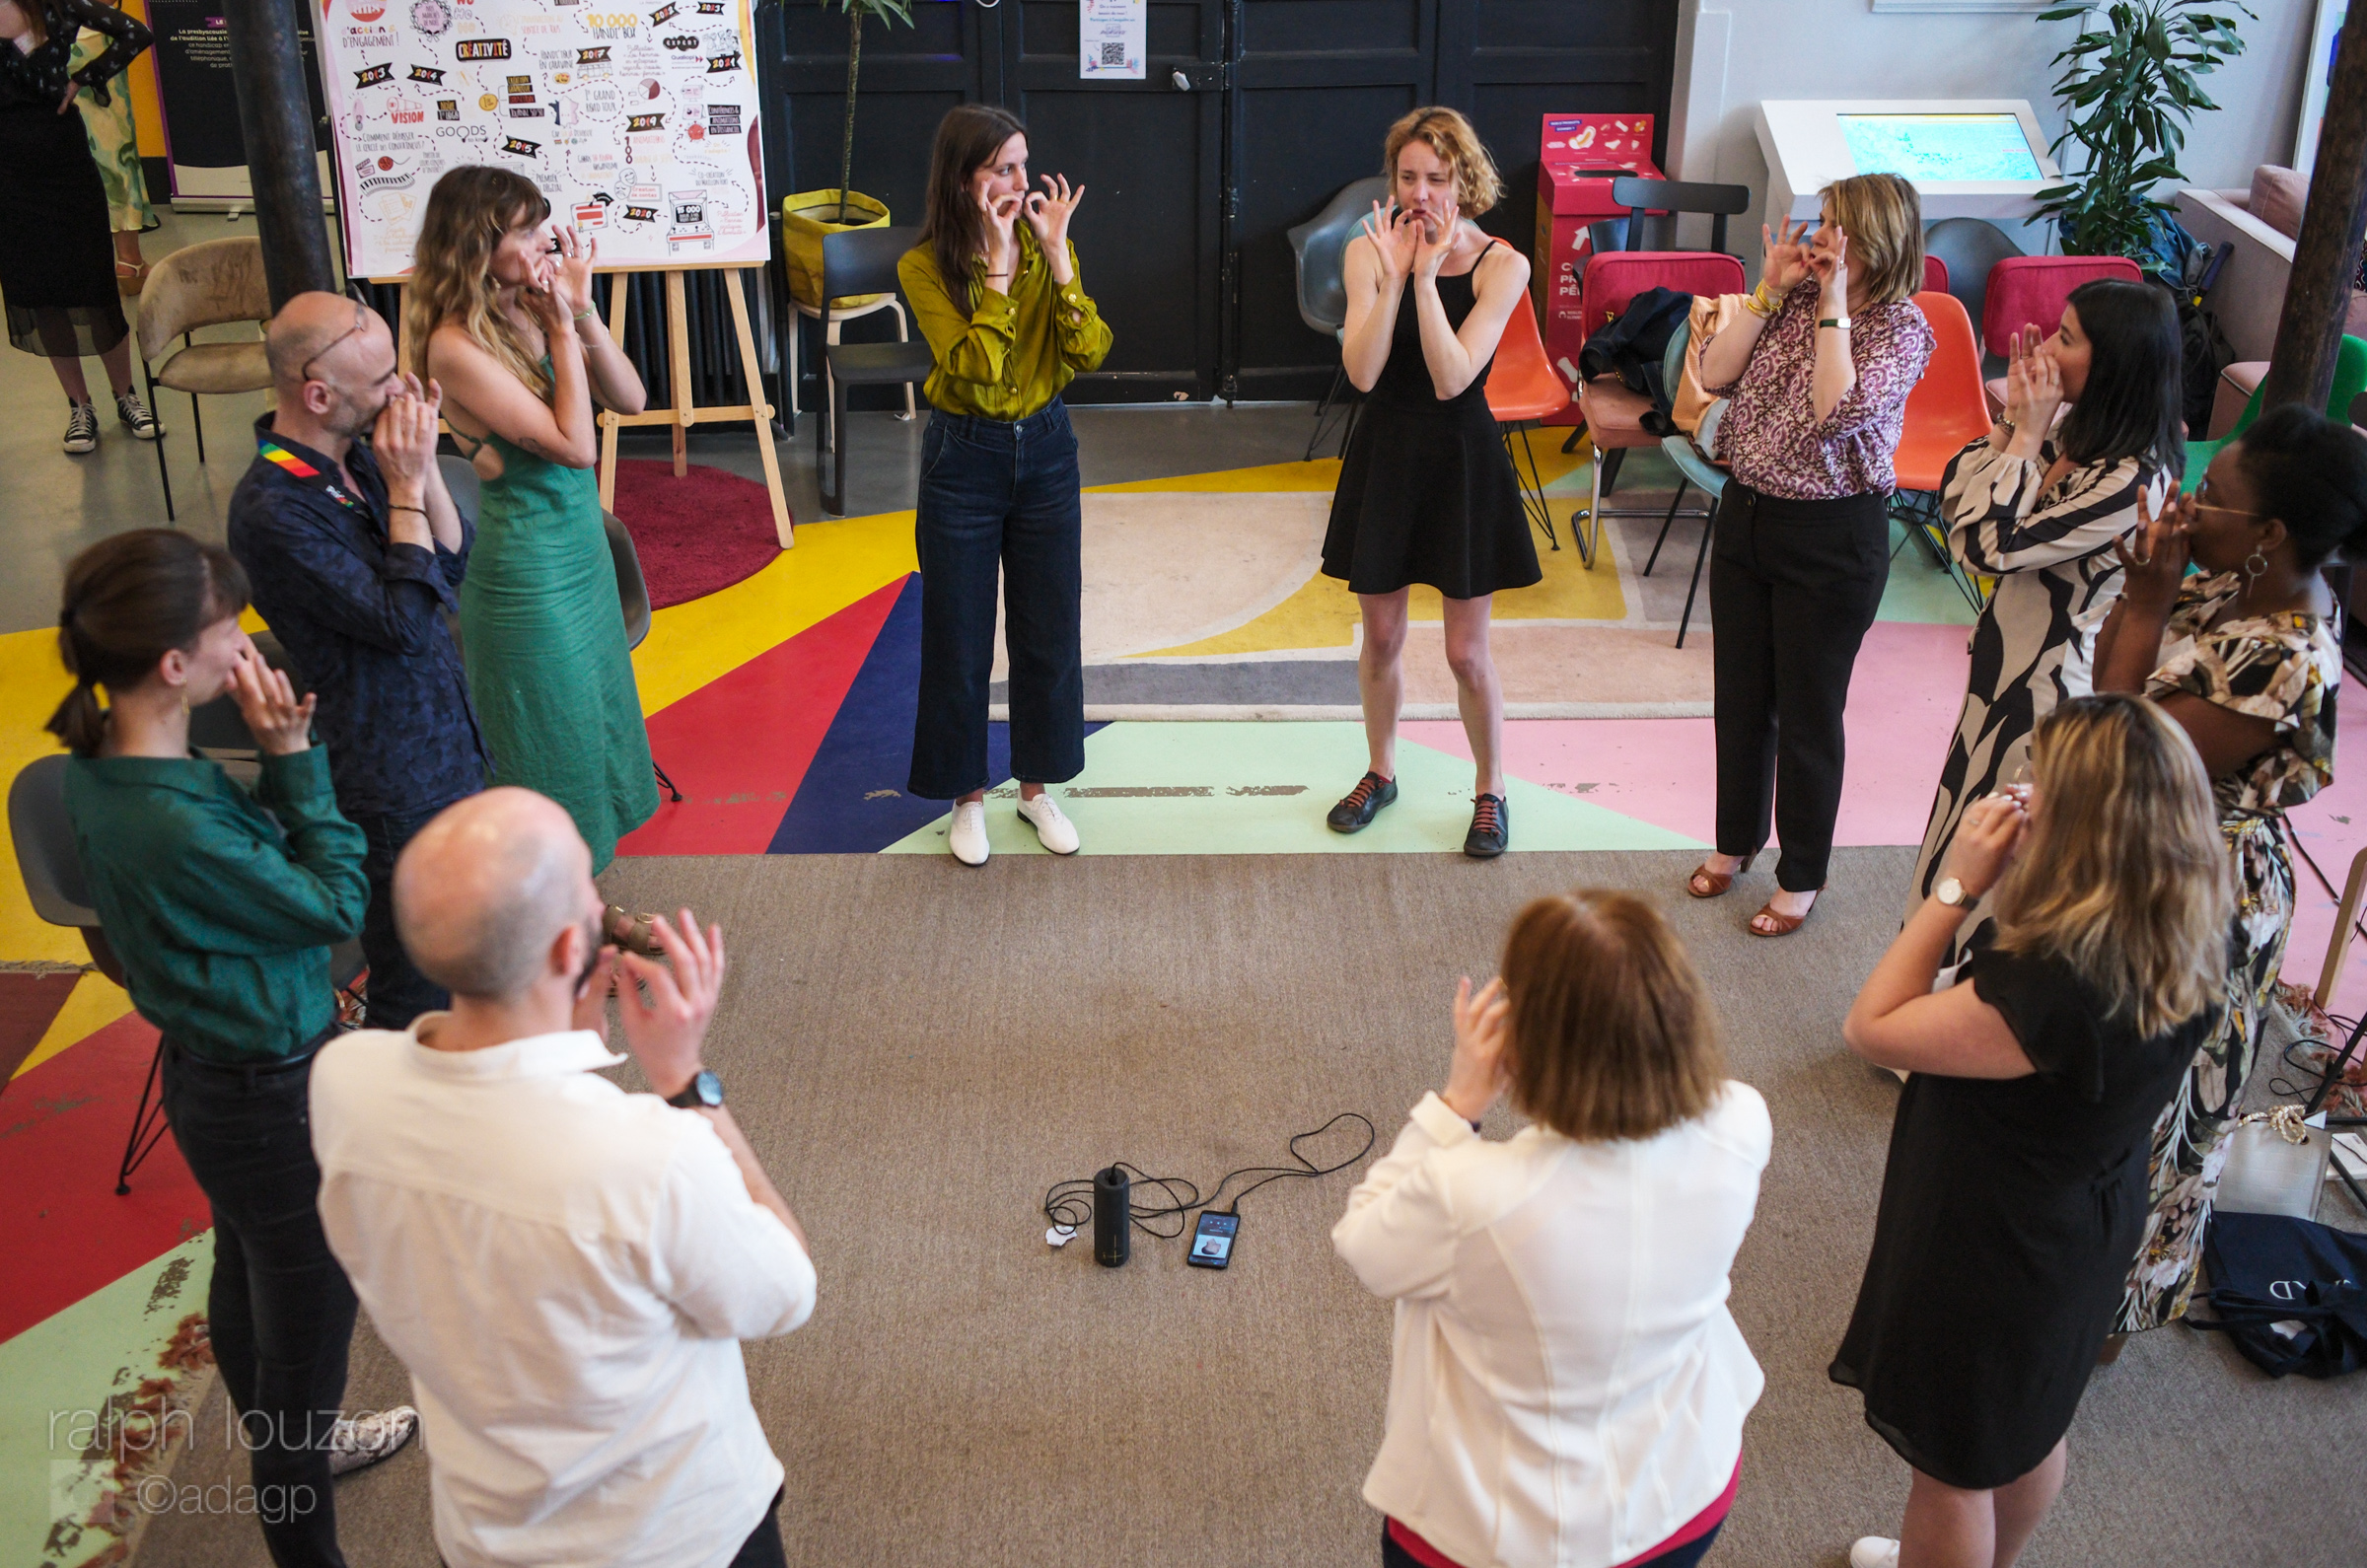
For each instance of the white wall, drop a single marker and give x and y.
(1732, 53)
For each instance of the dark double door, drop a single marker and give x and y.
(1251, 114)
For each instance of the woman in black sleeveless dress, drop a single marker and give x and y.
(1426, 494)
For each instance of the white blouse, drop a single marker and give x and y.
(1568, 1389)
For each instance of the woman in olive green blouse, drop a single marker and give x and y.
(221, 907)
(994, 285)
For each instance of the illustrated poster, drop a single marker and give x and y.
(639, 124)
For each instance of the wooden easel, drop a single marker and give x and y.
(685, 413)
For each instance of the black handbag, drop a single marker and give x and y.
(2291, 1293)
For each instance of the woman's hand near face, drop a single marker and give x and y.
(2153, 561)
(1477, 1077)
(1395, 236)
(568, 275)
(1002, 241)
(1830, 264)
(1434, 240)
(281, 724)
(1787, 257)
(2043, 388)
(1049, 213)
(1986, 842)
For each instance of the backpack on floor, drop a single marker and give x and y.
(2292, 1294)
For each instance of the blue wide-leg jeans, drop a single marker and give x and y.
(999, 507)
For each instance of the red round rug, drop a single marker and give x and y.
(694, 534)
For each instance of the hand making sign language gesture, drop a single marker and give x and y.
(1788, 252)
(1395, 235)
(1048, 211)
(1435, 242)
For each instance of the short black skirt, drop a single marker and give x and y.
(1429, 496)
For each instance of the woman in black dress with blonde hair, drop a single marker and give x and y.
(1426, 494)
(57, 259)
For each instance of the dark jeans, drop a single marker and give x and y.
(998, 495)
(398, 992)
(281, 1310)
(1793, 586)
(1693, 1551)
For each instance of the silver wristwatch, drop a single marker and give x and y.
(1951, 892)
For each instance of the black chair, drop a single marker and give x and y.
(1319, 250)
(1970, 246)
(1653, 206)
(43, 835)
(632, 592)
(861, 262)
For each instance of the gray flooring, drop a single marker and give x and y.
(966, 1394)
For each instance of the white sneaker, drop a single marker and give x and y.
(355, 1443)
(966, 837)
(1874, 1552)
(1057, 833)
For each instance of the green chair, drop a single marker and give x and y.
(2350, 379)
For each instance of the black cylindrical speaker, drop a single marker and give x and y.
(1112, 1217)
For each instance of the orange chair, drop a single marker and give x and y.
(1946, 411)
(1522, 389)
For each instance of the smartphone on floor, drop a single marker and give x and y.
(1212, 1240)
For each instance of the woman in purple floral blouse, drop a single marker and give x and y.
(1819, 365)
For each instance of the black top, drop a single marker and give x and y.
(40, 77)
(1404, 379)
(2011, 1212)
(363, 622)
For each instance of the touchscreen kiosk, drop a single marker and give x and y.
(1968, 158)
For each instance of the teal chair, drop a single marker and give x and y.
(2350, 379)
(1693, 470)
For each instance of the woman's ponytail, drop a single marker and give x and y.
(129, 601)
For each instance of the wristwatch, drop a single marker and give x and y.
(704, 1093)
(1950, 891)
(1842, 321)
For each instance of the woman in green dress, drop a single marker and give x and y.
(500, 313)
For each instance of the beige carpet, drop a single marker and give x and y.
(918, 1051)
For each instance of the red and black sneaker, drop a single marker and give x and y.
(1491, 831)
(1361, 805)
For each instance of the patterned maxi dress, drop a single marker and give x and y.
(2285, 668)
(2051, 553)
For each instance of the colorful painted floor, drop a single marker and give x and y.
(783, 707)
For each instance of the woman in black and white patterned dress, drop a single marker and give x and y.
(2037, 508)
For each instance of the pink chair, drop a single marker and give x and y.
(2030, 291)
(1935, 274)
(1615, 415)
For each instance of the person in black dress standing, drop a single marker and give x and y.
(57, 260)
(2016, 1190)
(1426, 494)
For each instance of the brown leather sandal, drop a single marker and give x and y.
(1717, 882)
(634, 933)
(1785, 924)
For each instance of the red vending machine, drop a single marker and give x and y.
(1578, 156)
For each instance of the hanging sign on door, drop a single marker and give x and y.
(1112, 36)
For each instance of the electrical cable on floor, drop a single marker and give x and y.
(1069, 1204)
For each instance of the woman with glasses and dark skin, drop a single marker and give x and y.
(2246, 656)
(222, 905)
(2038, 507)
(58, 263)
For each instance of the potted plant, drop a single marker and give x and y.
(2128, 91)
(809, 215)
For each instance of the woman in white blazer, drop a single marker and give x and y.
(1568, 1389)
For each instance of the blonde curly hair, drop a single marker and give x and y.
(1478, 186)
(452, 280)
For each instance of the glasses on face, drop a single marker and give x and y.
(2204, 503)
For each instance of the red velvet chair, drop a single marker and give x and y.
(1614, 415)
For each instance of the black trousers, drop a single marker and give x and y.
(281, 1310)
(398, 992)
(1793, 586)
(999, 507)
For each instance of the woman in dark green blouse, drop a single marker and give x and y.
(222, 906)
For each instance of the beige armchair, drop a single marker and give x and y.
(211, 284)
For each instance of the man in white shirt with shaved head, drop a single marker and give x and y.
(567, 1270)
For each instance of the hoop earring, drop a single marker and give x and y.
(2253, 573)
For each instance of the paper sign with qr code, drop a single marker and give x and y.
(1112, 40)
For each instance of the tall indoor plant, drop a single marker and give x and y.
(2128, 91)
(810, 215)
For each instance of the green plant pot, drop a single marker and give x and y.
(806, 218)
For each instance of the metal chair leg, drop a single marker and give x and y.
(162, 473)
(1577, 434)
(1536, 485)
(672, 791)
(903, 334)
(837, 502)
(1666, 523)
(1707, 525)
(1322, 409)
(148, 1125)
(197, 426)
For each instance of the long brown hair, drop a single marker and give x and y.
(954, 230)
(452, 267)
(1611, 1034)
(2125, 877)
(129, 601)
